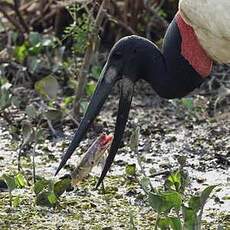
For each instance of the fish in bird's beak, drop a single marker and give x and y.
(111, 73)
(91, 158)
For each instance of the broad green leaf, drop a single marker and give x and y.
(61, 186)
(173, 198)
(130, 169)
(47, 87)
(10, 181)
(20, 181)
(46, 198)
(34, 38)
(41, 185)
(205, 194)
(190, 218)
(195, 203)
(90, 88)
(156, 202)
(52, 198)
(163, 202)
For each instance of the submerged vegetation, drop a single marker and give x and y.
(170, 173)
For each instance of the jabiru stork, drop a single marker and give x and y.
(198, 35)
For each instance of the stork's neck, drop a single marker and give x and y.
(183, 64)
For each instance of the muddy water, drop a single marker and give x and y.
(168, 130)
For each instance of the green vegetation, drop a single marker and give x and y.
(50, 51)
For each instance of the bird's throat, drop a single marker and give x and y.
(192, 50)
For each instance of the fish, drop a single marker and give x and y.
(91, 158)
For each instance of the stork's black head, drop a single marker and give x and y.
(128, 61)
(131, 57)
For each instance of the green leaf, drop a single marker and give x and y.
(31, 111)
(175, 223)
(182, 160)
(188, 103)
(173, 198)
(205, 194)
(96, 71)
(41, 185)
(130, 169)
(174, 180)
(35, 50)
(21, 52)
(10, 181)
(46, 198)
(34, 38)
(190, 218)
(20, 181)
(90, 88)
(195, 203)
(52, 198)
(164, 202)
(61, 186)
(47, 87)
(163, 223)
(53, 115)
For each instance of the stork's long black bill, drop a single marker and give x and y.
(107, 80)
(122, 117)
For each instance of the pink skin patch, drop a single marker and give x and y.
(192, 50)
(105, 139)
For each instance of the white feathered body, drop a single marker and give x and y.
(210, 20)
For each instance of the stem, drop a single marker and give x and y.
(33, 161)
(93, 38)
(19, 157)
(10, 197)
(157, 220)
(21, 19)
